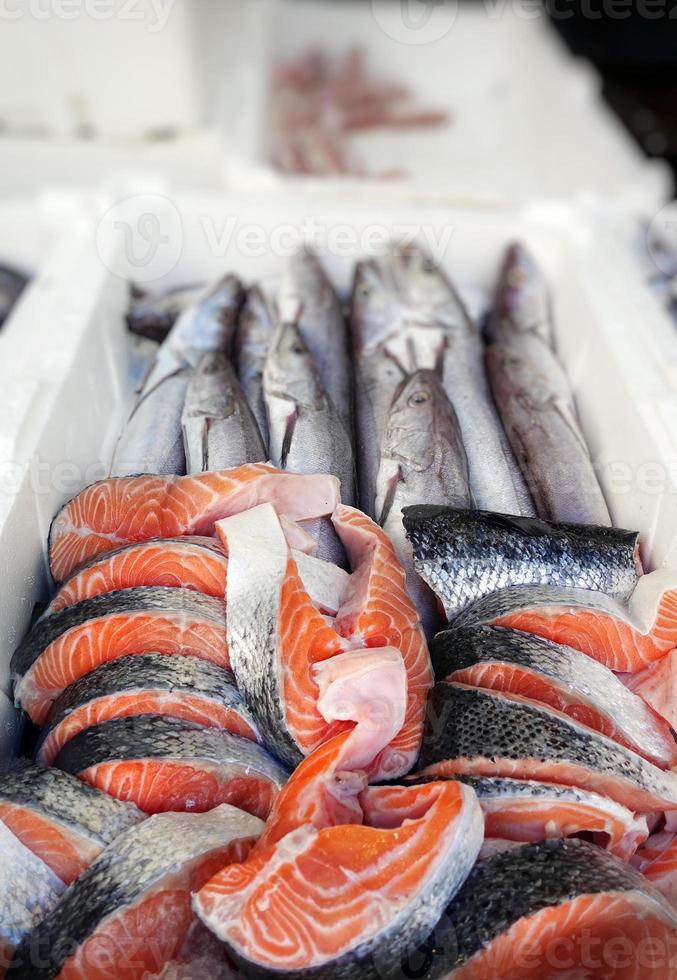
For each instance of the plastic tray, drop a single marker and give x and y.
(528, 123)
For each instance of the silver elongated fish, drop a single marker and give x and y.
(151, 440)
(422, 459)
(219, 430)
(323, 327)
(521, 301)
(307, 434)
(538, 413)
(254, 332)
(153, 316)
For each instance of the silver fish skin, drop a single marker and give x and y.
(482, 733)
(521, 882)
(166, 847)
(151, 440)
(466, 555)
(422, 459)
(323, 327)
(153, 316)
(254, 332)
(219, 430)
(577, 676)
(521, 300)
(536, 406)
(30, 891)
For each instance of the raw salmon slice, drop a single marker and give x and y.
(623, 638)
(129, 913)
(165, 764)
(30, 890)
(292, 666)
(63, 647)
(662, 871)
(345, 897)
(657, 685)
(61, 820)
(123, 510)
(482, 733)
(527, 811)
(150, 684)
(518, 663)
(554, 909)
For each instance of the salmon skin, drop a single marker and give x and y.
(121, 511)
(30, 890)
(556, 908)
(623, 637)
(63, 821)
(179, 687)
(63, 647)
(168, 764)
(481, 733)
(464, 555)
(524, 810)
(129, 913)
(342, 901)
(507, 660)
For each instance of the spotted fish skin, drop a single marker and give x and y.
(524, 881)
(164, 846)
(482, 733)
(554, 674)
(464, 555)
(211, 686)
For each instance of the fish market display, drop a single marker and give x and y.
(318, 101)
(117, 512)
(499, 659)
(556, 908)
(219, 430)
(29, 889)
(147, 684)
(254, 332)
(130, 911)
(151, 440)
(66, 645)
(464, 555)
(623, 637)
(167, 764)
(153, 315)
(521, 303)
(481, 733)
(62, 821)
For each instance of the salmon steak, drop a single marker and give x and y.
(661, 870)
(482, 733)
(333, 901)
(122, 510)
(30, 890)
(64, 822)
(63, 647)
(657, 685)
(622, 637)
(130, 913)
(557, 909)
(464, 555)
(499, 659)
(165, 764)
(149, 684)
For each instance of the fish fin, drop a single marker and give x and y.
(389, 499)
(205, 444)
(288, 437)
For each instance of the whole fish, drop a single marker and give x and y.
(521, 301)
(464, 555)
(422, 460)
(219, 430)
(254, 332)
(307, 434)
(151, 440)
(536, 406)
(323, 327)
(153, 316)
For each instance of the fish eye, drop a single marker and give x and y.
(296, 348)
(419, 398)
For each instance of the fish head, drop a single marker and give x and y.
(208, 324)
(522, 304)
(373, 305)
(420, 420)
(290, 372)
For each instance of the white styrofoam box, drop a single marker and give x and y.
(527, 120)
(83, 363)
